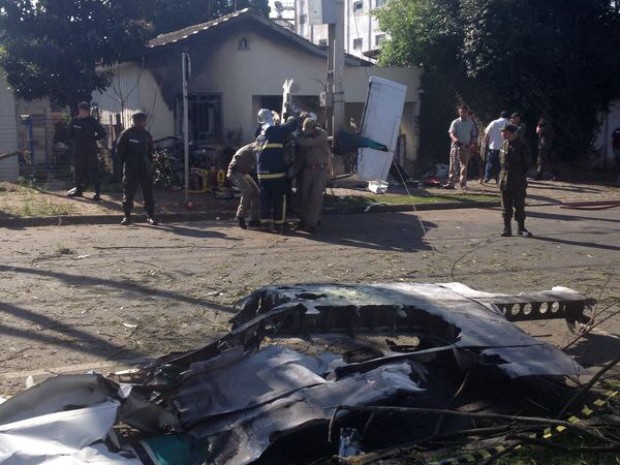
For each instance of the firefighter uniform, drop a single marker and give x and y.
(241, 166)
(271, 168)
(85, 132)
(314, 161)
(135, 151)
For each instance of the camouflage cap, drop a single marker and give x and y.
(510, 128)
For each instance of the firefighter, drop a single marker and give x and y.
(239, 172)
(314, 161)
(85, 131)
(135, 151)
(271, 168)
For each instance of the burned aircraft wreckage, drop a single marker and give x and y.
(303, 365)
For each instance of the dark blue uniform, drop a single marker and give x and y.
(135, 150)
(271, 171)
(85, 132)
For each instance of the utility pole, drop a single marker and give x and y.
(335, 69)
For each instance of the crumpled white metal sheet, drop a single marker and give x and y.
(239, 408)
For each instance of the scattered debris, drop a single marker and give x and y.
(367, 373)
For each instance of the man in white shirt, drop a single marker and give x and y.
(493, 139)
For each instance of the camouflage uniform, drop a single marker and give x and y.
(514, 161)
(240, 170)
(545, 140)
(314, 163)
(615, 146)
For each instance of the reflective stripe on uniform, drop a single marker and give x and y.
(271, 176)
(269, 146)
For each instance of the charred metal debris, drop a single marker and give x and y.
(323, 373)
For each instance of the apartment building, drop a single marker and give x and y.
(361, 27)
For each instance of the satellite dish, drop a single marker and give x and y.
(279, 7)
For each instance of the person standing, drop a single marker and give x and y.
(493, 139)
(515, 120)
(544, 162)
(271, 168)
(476, 156)
(240, 168)
(514, 161)
(460, 132)
(615, 147)
(135, 151)
(84, 132)
(313, 159)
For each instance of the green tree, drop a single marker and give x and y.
(172, 15)
(549, 57)
(56, 48)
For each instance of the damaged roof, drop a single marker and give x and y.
(247, 14)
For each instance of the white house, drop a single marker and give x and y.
(238, 65)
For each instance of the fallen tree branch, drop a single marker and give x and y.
(588, 386)
(552, 445)
(488, 416)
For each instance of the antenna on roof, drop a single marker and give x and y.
(279, 8)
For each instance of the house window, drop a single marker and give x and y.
(323, 42)
(358, 44)
(358, 6)
(379, 39)
(379, 3)
(205, 117)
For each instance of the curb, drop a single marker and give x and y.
(19, 222)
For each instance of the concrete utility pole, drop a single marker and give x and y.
(335, 69)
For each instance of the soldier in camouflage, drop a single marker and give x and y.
(545, 133)
(514, 162)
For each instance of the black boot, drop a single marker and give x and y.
(241, 222)
(507, 229)
(521, 231)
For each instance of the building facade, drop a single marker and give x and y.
(238, 65)
(361, 27)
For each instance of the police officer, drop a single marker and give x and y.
(514, 161)
(85, 131)
(313, 159)
(271, 168)
(239, 172)
(135, 151)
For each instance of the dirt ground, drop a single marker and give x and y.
(104, 297)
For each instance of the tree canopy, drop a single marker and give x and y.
(172, 15)
(53, 48)
(57, 48)
(552, 57)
